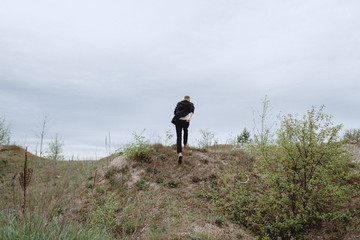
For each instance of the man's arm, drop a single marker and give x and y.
(191, 114)
(192, 109)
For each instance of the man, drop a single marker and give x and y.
(184, 111)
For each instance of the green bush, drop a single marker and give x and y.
(303, 180)
(304, 174)
(139, 149)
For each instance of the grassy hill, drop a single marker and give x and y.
(146, 198)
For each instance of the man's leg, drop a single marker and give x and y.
(185, 127)
(178, 127)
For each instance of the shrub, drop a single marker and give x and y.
(139, 149)
(305, 174)
(302, 180)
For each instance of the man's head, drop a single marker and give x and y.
(187, 98)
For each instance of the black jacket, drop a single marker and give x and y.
(183, 108)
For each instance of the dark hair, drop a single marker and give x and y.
(187, 97)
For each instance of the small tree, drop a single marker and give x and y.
(56, 148)
(4, 132)
(244, 137)
(305, 173)
(263, 124)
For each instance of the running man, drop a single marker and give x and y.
(184, 111)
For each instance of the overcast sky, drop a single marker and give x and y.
(121, 66)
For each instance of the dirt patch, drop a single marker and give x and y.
(119, 162)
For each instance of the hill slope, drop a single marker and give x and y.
(159, 199)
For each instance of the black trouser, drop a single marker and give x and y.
(180, 125)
